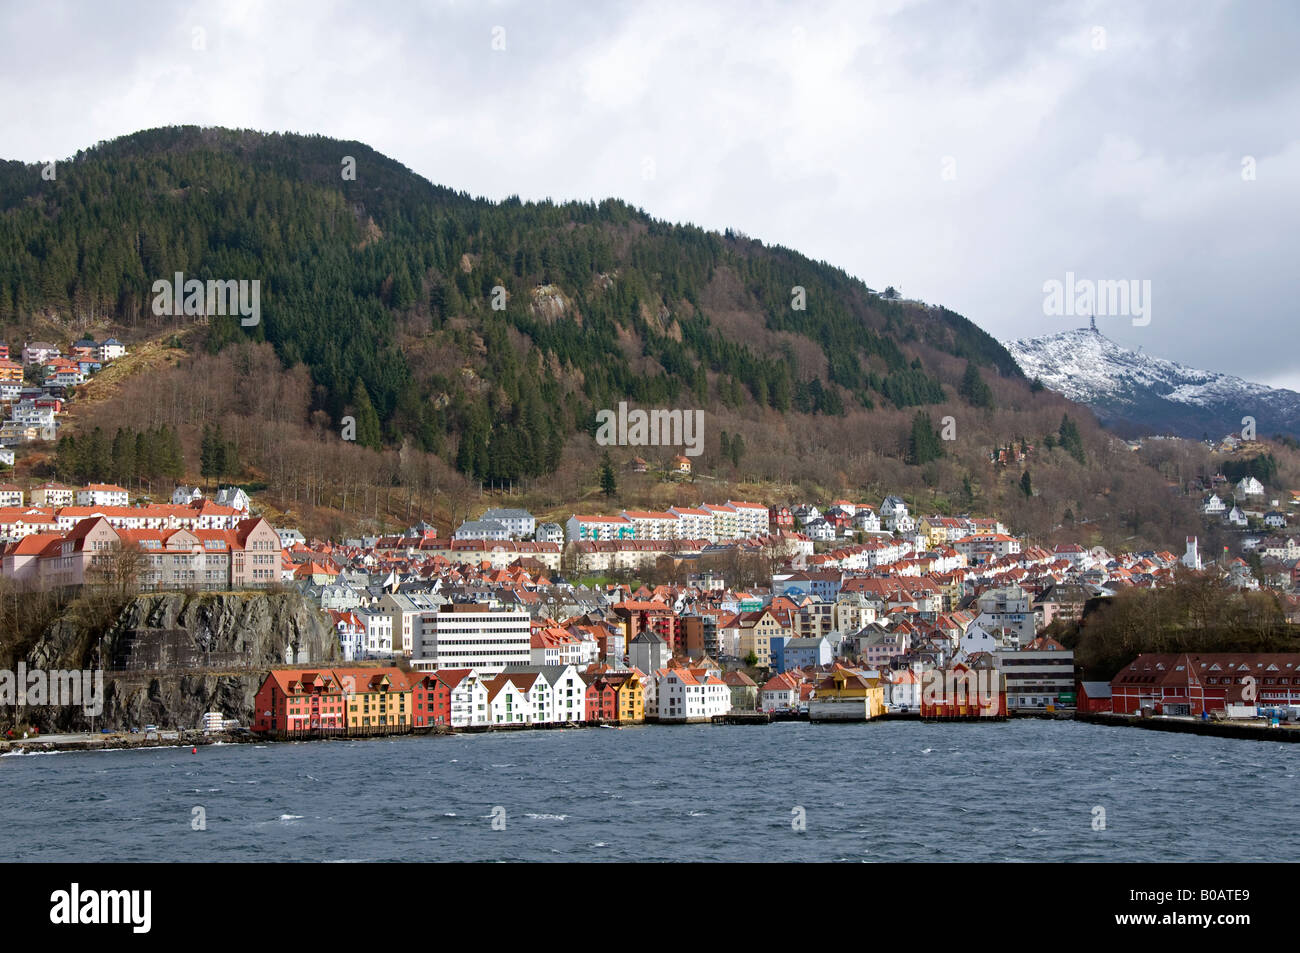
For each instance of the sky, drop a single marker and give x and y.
(967, 153)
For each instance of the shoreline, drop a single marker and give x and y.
(119, 741)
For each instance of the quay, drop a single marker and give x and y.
(1249, 731)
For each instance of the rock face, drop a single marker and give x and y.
(170, 657)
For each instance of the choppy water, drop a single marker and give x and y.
(892, 791)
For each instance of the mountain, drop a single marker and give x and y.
(1140, 394)
(416, 346)
(372, 282)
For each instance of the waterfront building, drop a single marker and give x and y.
(1192, 684)
(299, 700)
(1038, 675)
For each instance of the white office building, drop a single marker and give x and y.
(478, 636)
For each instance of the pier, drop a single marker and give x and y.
(1249, 731)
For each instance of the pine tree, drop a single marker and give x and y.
(974, 389)
(1071, 440)
(124, 465)
(368, 431)
(209, 454)
(737, 449)
(925, 444)
(1026, 484)
(700, 385)
(608, 483)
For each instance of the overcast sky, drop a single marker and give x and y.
(965, 152)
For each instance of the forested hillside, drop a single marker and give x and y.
(377, 299)
(342, 261)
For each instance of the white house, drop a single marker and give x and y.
(1249, 486)
(379, 632)
(803, 515)
(900, 521)
(549, 533)
(685, 695)
(1236, 517)
(351, 632)
(1212, 504)
(469, 697)
(290, 538)
(233, 497)
(558, 694)
(509, 701)
(820, 530)
(185, 495)
(865, 520)
(38, 352)
(893, 505)
(779, 691)
(111, 350)
(976, 639)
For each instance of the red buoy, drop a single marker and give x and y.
(194, 750)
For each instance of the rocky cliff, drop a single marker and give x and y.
(170, 657)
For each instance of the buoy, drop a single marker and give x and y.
(194, 750)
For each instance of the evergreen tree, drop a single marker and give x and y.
(608, 483)
(211, 454)
(737, 449)
(171, 457)
(1071, 440)
(925, 443)
(700, 385)
(1026, 485)
(368, 432)
(973, 388)
(124, 463)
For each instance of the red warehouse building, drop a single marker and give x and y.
(1094, 697)
(293, 700)
(430, 700)
(1190, 684)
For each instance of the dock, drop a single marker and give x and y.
(1249, 731)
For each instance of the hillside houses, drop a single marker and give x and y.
(34, 412)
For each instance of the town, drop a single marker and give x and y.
(843, 611)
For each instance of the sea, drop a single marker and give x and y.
(1023, 790)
